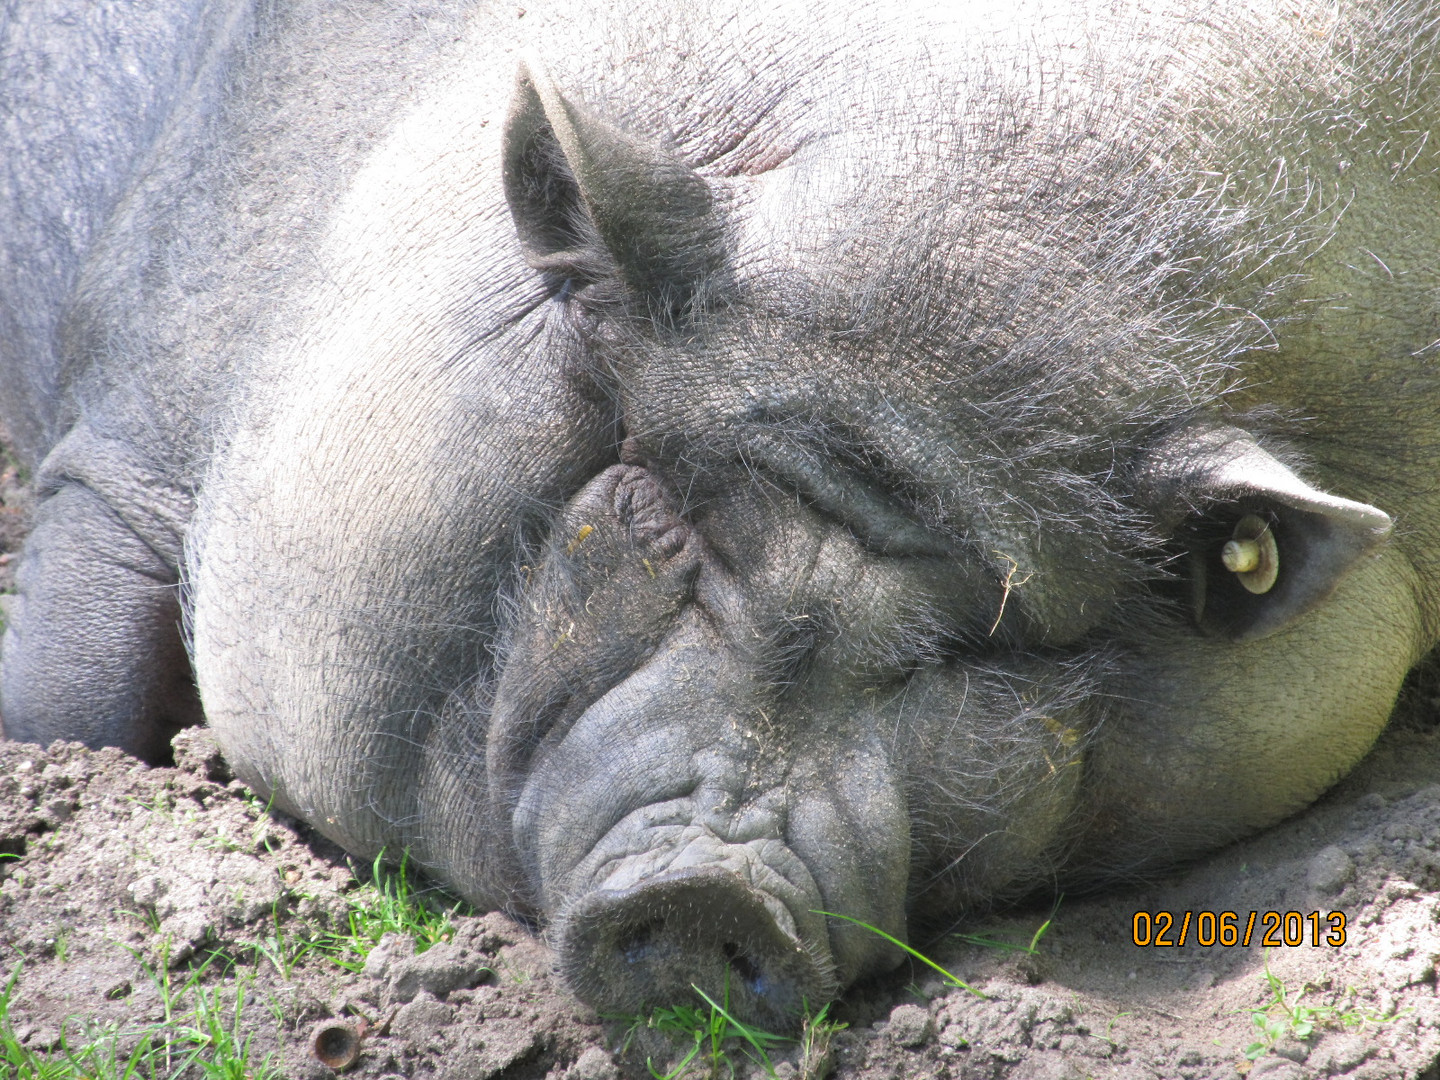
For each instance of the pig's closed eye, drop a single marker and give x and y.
(876, 518)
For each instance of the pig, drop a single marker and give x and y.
(709, 478)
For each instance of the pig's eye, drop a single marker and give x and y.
(876, 517)
(872, 516)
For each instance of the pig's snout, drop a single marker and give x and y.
(625, 950)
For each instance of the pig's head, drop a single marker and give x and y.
(884, 525)
(885, 586)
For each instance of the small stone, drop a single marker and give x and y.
(1293, 1049)
(148, 890)
(185, 933)
(593, 1064)
(1330, 870)
(1371, 801)
(910, 1026)
(43, 1039)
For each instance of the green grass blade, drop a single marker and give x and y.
(954, 980)
(1035, 938)
(756, 1037)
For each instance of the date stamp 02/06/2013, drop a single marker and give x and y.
(1272, 929)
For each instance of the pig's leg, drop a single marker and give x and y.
(93, 648)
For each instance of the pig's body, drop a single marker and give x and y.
(745, 465)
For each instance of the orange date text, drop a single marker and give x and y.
(1272, 929)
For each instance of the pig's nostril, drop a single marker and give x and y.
(697, 928)
(744, 967)
(635, 948)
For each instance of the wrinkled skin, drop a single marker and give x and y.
(715, 472)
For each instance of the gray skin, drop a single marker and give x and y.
(684, 477)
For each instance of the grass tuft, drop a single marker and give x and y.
(200, 1035)
(1284, 1015)
(391, 904)
(1032, 949)
(713, 1035)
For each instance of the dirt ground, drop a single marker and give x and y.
(160, 920)
(124, 873)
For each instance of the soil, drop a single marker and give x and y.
(132, 897)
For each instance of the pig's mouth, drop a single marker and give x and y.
(714, 873)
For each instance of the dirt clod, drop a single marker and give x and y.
(1330, 870)
(910, 1026)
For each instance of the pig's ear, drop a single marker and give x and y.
(1261, 545)
(590, 201)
